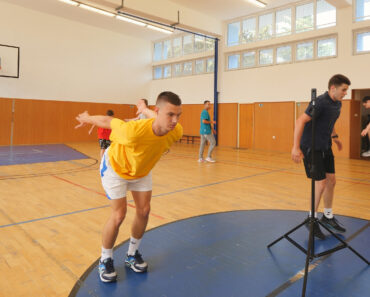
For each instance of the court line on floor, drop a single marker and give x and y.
(154, 196)
(300, 274)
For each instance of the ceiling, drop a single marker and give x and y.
(228, 9)
(217, 9)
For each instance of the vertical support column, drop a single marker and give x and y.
(215, 91)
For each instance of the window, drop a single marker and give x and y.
(157, 51)
(210, 67)
(266, 56)
(265, 26)
(199, 44)
(210, 44)
(326, 47)
(296, 18)
(199, 66)
(304, 17)
(233, 32)
(249, 30)
(233, 61)
(177, 69)
(177, 47)
(284, 22)
(167, 49)
(362, 10)
(363, 42)
(158, 72)
(167, 71)
(283, 54)
(249, 59)
(188, 68)
(188, 44)
(326, 14)
(304, 51)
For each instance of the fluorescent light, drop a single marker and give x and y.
(70, 2)
(122, 18)
(97, 10)
(258, 3)
(167, 31)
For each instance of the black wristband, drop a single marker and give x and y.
(335, 136)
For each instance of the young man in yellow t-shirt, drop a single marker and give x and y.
(126, 166)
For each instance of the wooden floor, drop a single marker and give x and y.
(51, 214)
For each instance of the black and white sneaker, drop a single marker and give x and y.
(106, 271)
(316, 230)
(332, 224)
(136, 262)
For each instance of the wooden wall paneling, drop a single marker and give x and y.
(300, 108)
(246, 125)
(274, 125)
(227, 124)
(342, 127)
(44, 121)
(6, 120)
(190, 118)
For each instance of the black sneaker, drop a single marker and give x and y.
(106, 271)
(316, 230)
(332, 224)
(136, 262)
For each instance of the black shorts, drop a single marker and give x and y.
(104, 143)
(324, 163)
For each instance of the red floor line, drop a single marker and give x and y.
(99, 193)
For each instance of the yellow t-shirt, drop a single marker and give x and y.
(135, 149)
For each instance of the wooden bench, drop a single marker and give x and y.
(190, 138)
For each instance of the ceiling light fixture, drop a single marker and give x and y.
(258, 3)
(129, 20)
(97, 10)
(163, 30)
(70, 2)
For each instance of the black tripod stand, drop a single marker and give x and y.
(311, 220)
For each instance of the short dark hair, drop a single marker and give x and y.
(145, 101)
(338, 80)
(206, 101)
(365, 99)
(169, 97)
(110, 112)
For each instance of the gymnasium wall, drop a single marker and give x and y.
(277, 83)
(50, 121)
(293, 82)
(62, 59)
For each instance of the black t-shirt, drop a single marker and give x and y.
(327, 112)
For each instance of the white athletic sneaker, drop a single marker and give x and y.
(208, 159)
(201, 160)
(366, 154)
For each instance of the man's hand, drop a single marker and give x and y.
(214, 132)
(297, 155)
(339, 144)
(82, 118)
(364, 132)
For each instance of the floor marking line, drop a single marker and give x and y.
(300, 274)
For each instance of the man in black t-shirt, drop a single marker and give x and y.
(327, 111)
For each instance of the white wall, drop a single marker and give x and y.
(65, 60)
(294, 81)
(289, 82)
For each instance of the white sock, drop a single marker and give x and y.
(328, 212)
(134, 246)
(309, 214)
(106, 253)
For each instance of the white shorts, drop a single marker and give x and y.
(115, 186)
